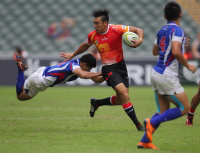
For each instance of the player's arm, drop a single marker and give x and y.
(98, 79)
(140, 33)
(155, 50)
(82, 48)
(194, 49)
(176, 51)
(84, 74)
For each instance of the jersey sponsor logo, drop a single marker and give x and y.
(104, 39)
(96, 43)
(123, 27)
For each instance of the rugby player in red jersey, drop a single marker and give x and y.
(108, 40)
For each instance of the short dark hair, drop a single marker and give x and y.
(89, 59)
(172, 11)
(101, 12)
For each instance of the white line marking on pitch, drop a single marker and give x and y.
(41, 108)
(61, 118)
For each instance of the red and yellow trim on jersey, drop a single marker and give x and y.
(93, 36)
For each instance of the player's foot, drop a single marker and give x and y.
(149, 145)
(93, 107)
(149, 129)
(189, 120)
(20, 63)
(141, 127)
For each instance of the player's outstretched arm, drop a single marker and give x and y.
(140, 33)
(176, 45)
(82, 48)
(84, 74)
(98, 79)
(155, 50)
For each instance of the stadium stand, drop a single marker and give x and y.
(24, 23)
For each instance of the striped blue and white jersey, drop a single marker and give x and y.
(167, 64)
(60, 73)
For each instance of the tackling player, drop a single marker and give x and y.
(169, 46)
(108, 40)
(49, 76)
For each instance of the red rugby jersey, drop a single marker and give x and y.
(109, 44)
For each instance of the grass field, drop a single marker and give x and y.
(57, 121)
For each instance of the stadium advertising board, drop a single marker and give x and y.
(138, 71)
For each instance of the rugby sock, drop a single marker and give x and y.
(155, 115)
(20, 82)
(168, 115)
(106, 101)
(144, 138)
(128, 108)
(191, 112)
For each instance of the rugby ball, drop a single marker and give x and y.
(128, 36)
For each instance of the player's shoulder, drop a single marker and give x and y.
(91, 33)
(116, 26)
(75, 61)
(178, 31)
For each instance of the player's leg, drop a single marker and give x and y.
(21, 94)
(155, 89)
(157, 104)
(166, 87)
(163, 104)
(122, 94)
(170, 114)
(96, 103)
(109, 101)
(194, 103)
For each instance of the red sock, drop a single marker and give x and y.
(127, 105)
(192, 110)
(128, 108)
(112, 99)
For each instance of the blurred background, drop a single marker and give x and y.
(43, 29)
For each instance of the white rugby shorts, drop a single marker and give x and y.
(34, 84)
(165, 85)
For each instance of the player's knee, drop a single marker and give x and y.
(186, 109)
(19, 98)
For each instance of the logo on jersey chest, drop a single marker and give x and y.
(104, 39)
(96, 42)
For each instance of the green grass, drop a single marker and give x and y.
(57, 121)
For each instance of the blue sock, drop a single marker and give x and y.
(155, 115)
(20, 82)
(168, 115)
(144, 138)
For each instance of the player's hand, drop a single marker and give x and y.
(187, 42)
(137, 43)
(66, 55)
(192, 68)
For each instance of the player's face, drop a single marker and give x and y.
(100, 26)
(84, 67)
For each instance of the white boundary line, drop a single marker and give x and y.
(60, 118)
